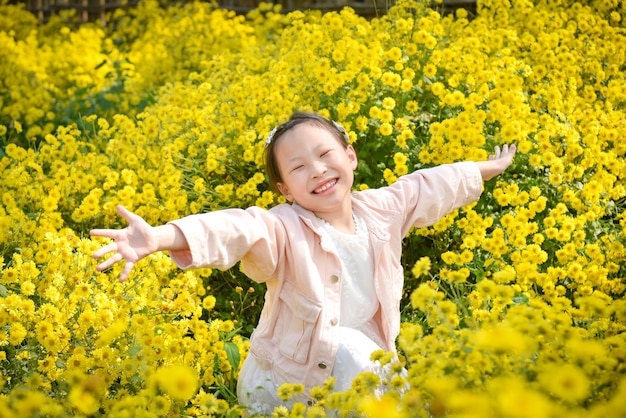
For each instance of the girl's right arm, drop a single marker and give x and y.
(499, 161)
(136, 241)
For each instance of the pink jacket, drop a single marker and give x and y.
(282, 247)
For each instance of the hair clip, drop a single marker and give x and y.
(270, 137)
(343, 131)
(340, 128)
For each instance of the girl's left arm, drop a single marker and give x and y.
(136, 241)
(426, 195)
(221, 238)
(499, 161)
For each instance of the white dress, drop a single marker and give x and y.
(256, 388)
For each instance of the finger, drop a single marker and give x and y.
(126, 271)
(105, 250)
(109, 262)
(496, 153)
(125, 213)
(108, 233)
(509, 151)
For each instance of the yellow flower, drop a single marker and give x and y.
(366, 382)
(412, 106)
(424, 38)
(83, 290)
(10, 275)
(591, 305)
(391, 79)
(111, 333)
(386, 116)
(384, 407)
(389, 176)
(504, 276)
(456, 276)
(393, 54)
(454, 99)
(502, 339)
(513, 398)
(421, 267)
(316, 411)
(160, 405)
(208, 302)
(430, 70)
(287, 391)
(103, 123)
(84, 396)
(566, 382)
(449, 258)
(399, 158)
(17, 334)
(389, 103)
(27, 288)
(280, 412)
(178, 381)
(374, 112)
(386, 129)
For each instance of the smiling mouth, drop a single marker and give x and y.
(325, 186)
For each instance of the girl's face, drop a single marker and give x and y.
(316, 169)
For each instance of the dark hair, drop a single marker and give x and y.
(298, 118)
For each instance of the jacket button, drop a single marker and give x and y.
(334, 321)
(322, 365)
(334, 278)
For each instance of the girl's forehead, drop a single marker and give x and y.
(308, 132)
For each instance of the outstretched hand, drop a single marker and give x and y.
(499, 161)
(131, 244)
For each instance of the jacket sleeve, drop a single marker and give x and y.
(427, 195)
(222, 238)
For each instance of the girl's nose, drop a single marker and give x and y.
(319, 168)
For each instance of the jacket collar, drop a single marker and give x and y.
(307, 217)
(376, 219)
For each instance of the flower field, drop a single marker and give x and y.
(514, 306)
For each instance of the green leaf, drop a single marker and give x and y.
(133, 351)
(232, 353)
(520, 299)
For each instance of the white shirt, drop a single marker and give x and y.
(358, 295)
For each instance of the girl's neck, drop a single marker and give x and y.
(342, 221)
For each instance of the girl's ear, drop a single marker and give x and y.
(285, 191)
(352, 157)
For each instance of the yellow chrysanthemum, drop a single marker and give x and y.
(178, 381)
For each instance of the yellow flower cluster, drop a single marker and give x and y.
(514, 305)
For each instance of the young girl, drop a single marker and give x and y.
(330, 258)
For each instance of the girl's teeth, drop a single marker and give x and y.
(325, 187)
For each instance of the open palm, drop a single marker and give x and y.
(131, 244)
